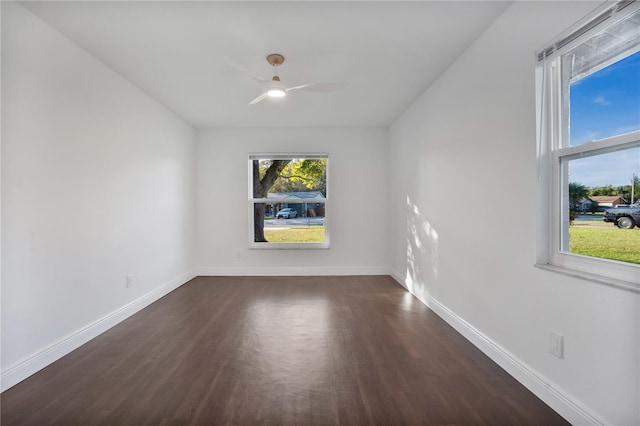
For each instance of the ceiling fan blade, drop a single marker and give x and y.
(319, 87)
(258, 99)
(245, 71)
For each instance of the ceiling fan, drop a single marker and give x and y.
(274, 88)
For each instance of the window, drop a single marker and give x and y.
(288, 201)
(588, 121)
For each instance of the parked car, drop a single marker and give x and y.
(286, 213)
(626, 217)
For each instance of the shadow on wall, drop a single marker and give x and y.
(422, 254)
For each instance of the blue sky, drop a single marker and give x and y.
(604, 104)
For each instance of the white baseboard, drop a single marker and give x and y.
(42, 358)
(555, 397)
(290, 271)
(400, 279)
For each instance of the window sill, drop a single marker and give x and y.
(288, 246)
(633, 287)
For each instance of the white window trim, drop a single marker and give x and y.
(553, 209)
(252, 201)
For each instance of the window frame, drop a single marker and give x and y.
(554, 152)
(253, 201)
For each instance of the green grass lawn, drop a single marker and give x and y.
(314, 234)
(596, 239)
(604, 240)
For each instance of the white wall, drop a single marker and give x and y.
(97, 184)
(358, 189)
(463, 185)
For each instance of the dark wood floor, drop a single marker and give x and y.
(281, 351)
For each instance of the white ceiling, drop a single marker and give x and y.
(183, 53)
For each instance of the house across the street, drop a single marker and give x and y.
(604, 201)
(304, 209)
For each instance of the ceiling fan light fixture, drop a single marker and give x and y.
(276, 92)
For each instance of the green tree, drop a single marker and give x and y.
(263, 180)
(306, 174)
(609, 190)
(577, 192)
(635, 194)
(602, 190)
(301, 176)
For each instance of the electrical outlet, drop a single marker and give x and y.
(556, 344)
(129, 281)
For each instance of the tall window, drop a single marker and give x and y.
(589, 148)
(288, 201)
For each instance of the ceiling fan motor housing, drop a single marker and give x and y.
(275, 59)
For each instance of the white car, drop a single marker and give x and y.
(286, 213)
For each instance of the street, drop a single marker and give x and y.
(293, 223)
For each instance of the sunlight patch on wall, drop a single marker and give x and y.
(422, 253)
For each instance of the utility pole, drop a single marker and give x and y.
(633, 186)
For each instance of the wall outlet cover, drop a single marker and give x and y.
(556, 343)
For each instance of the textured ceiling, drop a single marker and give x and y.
(187, 55)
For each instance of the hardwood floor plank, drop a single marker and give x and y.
(277, 351)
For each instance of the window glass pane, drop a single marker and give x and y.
(605, 103)
(296, 178)
(284, 222)
(598, 184)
